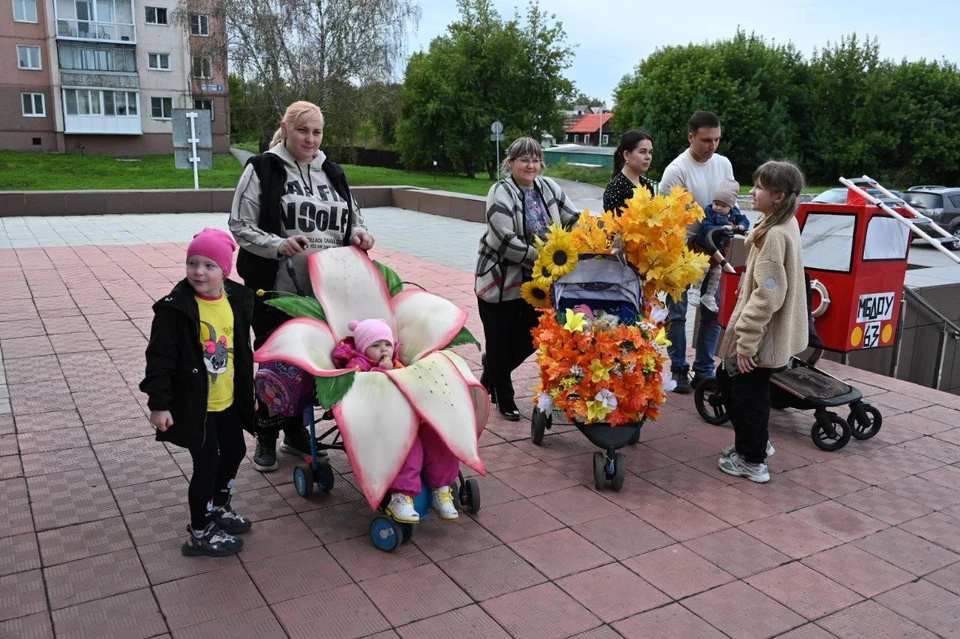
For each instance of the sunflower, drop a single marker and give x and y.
(560, 255)
(542, 271)
(536, 292)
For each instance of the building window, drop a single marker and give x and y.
(25, 11)
(205, 105)
(161, 108)
(119, 103)
(83, 101)
(576, 137)
(156, 15)
(199, 24)
(28, 58)
(606, 138)
(77, 57)
(33, 105)
(202, 67)
(158, 61)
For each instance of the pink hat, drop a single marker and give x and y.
(215, 244)
(368, 332)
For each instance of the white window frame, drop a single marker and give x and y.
(161, 117)
(30, 47)
(160, 67)
(23, 5)
(206, 62)
(156, 16)
(33, 104)
(576, 138)
(606, 139)
(212, 110)
(199, 25)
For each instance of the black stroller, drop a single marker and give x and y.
(601, 282)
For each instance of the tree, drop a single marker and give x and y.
(483, 69)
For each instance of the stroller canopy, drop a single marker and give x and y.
(598, 281)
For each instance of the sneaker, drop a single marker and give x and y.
(229, 521)
(697, 378)
(211, 542)
(265, 455)
(683, 383)
(739, 467)
(401, 509)
(296, 443)
(726, 451)
(709, 302)
(443, 504)
(693, 296)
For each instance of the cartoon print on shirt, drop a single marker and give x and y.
(215, 353)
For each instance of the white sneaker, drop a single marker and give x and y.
(709, 302)
(402, 510)
(739, 467)
(726, 451)
(693, 296)
(443, 504)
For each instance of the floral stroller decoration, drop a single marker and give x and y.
(379, 413)
(600, 347)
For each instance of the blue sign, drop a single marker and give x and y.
(211, 87)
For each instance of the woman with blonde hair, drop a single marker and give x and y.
(291, 201)
(769, 322)
(520, 209)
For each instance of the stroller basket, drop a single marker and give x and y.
(602, 283)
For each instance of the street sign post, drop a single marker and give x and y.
(496, 129)
(191, 131)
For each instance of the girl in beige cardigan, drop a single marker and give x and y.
(769, 323)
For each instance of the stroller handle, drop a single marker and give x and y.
(292, 272)
(711, 246)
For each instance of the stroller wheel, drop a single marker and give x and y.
(866, 425)
(385, 533)
(620, 471)
(303, 480)
(538, 423)
(599, 475)
(470, 496)
(830, 432)
(709, 402)
(324, 477)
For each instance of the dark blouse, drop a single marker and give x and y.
(620, 189)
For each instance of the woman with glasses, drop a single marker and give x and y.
(630, 163)
(520, 208)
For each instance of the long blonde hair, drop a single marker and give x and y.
(296, 113)
(777, 176)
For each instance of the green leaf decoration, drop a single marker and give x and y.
(463, 337)
(331, 390)
(296, 306)
(394, 283)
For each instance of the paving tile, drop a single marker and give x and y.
(540, 611)
(732, 505)
(17, 518)
(947, 578)
(808, 631)
(16, 347)
(19, 553)
(612, 592)
(858, 570)
(22, 594)
(32, 369)
(559, 553)
(80, 541)
(670, 622)
(680, 519)
(147, 527)
(163, 560)
(948, 476)
(504, 457)
(531, 480)
(54, 420)
(927, 605)
(273, 537)
(433, 593)
(907, 551)
(622, 535)
(71, 497)
(491, 573)
(803, 590)
(683, 447)
(736, 552)
(678, 571)
(829, 482)
(838, 520)
(135, 461)
(9, 445)
(869, 620)
(880, 504)
(35, 626)
(938, 528)
(10, 467)
(681, 480)
(742, 611)
(936, 447)
(214, 595)
(516, 520)
(53, 463)
(340, 521)
(295, 574)
(942, 414)
(94, 578)
(576, 505)
(259, 623)
(161, 493)
(469, 622)
(341, 613)
(362, 560)
(922, 491)
(261, 505)
(783, 494)
(133, 614)
(439, 540)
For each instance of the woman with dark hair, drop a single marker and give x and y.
(630, 163)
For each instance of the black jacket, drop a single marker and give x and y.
(176, 377)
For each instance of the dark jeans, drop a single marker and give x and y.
(506, 332)
(747, 398)
(215, 465)
(708, 335)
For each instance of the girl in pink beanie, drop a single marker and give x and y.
(371, 348)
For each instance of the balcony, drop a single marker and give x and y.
(99, 31)
(100, 20)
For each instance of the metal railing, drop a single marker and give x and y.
(948, 330)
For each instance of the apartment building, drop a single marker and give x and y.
(103, 76)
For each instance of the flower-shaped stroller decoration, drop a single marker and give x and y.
(379, 413)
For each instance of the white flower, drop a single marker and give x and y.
(659, 314)
(607, 399)
(576, 371)
(545, 403)
(668, 382)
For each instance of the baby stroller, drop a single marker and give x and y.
(288, 390)
(803, 386)
(602, 283)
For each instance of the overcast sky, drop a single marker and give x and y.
(612, 36)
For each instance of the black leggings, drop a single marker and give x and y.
(215, 465)
(747, 397)
(506, 332)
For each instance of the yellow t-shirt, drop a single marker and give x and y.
(216, 340)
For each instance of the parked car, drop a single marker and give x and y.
(939, 203)
(924, 187)
(839, 196)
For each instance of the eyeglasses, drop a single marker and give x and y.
(528, 161)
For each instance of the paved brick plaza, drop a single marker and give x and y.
(864, 542)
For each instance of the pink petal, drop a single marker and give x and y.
(349, 287)
(303, 341)
(426, 322)
(481, 398)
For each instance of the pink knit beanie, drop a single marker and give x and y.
(215, 244)
(369, 331)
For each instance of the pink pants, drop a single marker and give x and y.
(431, 457)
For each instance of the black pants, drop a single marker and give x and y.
(506, 332)
(747, 397)
(215, 465)
(266, 320)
